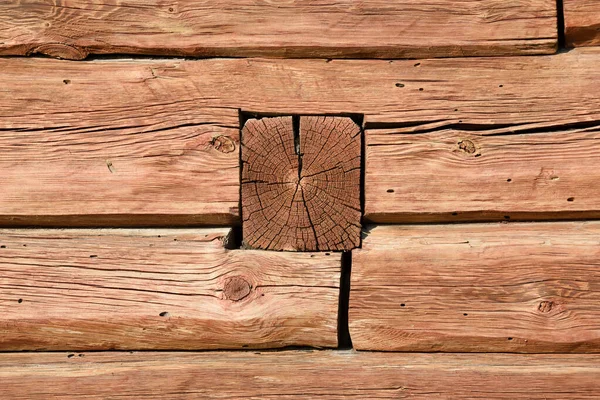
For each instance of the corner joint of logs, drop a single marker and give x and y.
(301, 183)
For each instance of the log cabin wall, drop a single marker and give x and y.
(355, 199)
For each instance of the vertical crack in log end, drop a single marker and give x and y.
(301, 183)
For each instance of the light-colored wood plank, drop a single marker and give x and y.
(301, 183)
(299, 374)
(582, 22)
(478, 287)
(496, 95)
(454, 175)
(118, 165)
(160, 289)
(513, 93)
(296, 28)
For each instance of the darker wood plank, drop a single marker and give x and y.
(246, 28)
(301, 183)
(582, 22)
(299, 374)
(160, 289)
(527, 288)
(457, 175)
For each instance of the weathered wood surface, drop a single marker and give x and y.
(299, 374)
(505, 94)
(116, 165)
(342, 28)
(456, 175)
(582, 22)
(160, 289)
(301, 183)
(491, 95)
(478, 287)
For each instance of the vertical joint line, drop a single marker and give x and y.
(296, 128)
(344, 340)
(560, 20)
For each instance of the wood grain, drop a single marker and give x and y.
(501, 94)
(478, 287)
(73, 29)
(299, 374)
(582, 22)
(301, 183)
(155, 165)
(160, 289)
(455, 175)
(488, 96)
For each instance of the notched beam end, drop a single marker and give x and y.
(301, 183)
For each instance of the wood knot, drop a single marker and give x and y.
(546, 306)
(224, 144)
(236, 288)
(467, 146)
(60, 50)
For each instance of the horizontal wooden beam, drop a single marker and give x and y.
(478, 288)
(582, 22)
(127, 165)
(160, 289)
(299, 374)
(456, 175)
(154, 142)
(342, 28)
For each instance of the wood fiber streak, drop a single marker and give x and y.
(72, 29)
(118, 165)
(582, 22)
(301, 190)
(160, 289)
(526, 288)
(299, 374)
(454, 175)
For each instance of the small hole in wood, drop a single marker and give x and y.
(478, 155)
(465, 314)
(456, 109)
(164, 314)
(24, 245)
(66, 81)
(93, 256)
(2, 247)
(399, 84)
(507, 217)
(420, 89)
(417, 64)
(327, 254)
(510, 338)
(20, 301)
(245, 345)
(509, 180)
(81, 355)
(390, 190)
(71, 355)
(171, 9)
(500, 85)
(402, 305)
(571, 199)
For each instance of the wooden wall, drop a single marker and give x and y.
(356, 199)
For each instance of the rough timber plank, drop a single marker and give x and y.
(301, 183)
(478, 287)
(495, 95)
(73, 29)
(454, 175)
(582, 22)
(299, 374)
(118, 166)
(160, 289)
